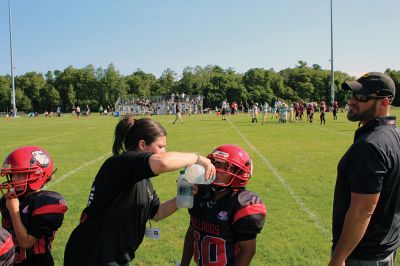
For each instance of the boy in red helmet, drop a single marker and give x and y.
(30, 214)
(225, 218)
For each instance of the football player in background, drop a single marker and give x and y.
(265, 108)
(30, 214)
(322, 109)
(225, 218)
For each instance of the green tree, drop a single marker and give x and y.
(31, 84)
(50, 99)
(141, 84)
(24, 103)
(167, 82)
(64, 84)
(5, 93)
(113, 86)
(70, 99)
(395, 75)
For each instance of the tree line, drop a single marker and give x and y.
(95, 87)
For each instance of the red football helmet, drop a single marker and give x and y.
(232, 160)
(32, 162)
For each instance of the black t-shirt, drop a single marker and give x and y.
(112, 225)
(239, 216)
(371, 165)
(42, 213)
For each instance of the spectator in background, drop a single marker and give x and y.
(178, 113)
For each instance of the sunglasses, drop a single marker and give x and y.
(366, 98)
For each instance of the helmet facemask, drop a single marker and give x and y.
(225, 167)
(15, 188)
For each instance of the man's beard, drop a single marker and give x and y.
(363, 116)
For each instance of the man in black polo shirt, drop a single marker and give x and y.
(366, 207)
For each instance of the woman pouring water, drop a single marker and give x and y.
(122, 198)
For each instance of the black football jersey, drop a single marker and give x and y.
(218, 226)
(42, 213)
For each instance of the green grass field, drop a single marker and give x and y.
(294, 174)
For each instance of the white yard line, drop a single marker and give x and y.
(37, 140)
(64, 176)
(292, 194)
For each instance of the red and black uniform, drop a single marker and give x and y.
(335, 110)
(112, 226)
(310, 112)
(322, 112)
(238, 216)
(42, 213)
(301, 111)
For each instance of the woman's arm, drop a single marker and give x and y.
(172, 161)
(187, 253)
(165, 209)
(25, 240)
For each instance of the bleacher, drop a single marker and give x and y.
(159, 105)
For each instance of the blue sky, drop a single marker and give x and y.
(154, 35)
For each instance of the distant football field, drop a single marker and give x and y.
(294, 174)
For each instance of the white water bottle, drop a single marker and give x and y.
(184, 193)
(195, 174)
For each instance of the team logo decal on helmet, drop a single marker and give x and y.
(222, 154)
(41, 158)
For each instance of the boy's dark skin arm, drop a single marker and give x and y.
(187, 253)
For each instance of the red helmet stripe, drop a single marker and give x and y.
(51, 208)
(258, 208)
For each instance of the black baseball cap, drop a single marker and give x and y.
(373, 82)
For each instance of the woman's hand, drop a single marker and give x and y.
(208, 166)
